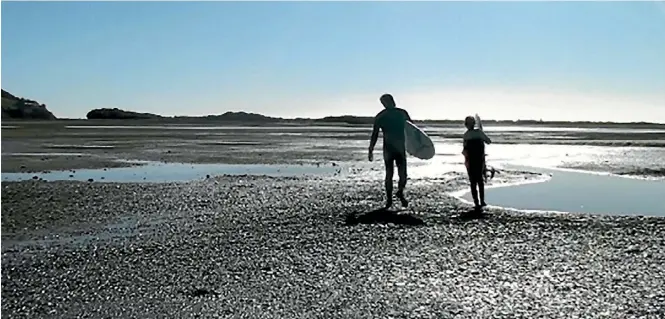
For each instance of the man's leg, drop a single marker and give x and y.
(401, 173)
(389, 160)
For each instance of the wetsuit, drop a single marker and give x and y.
(392, 121)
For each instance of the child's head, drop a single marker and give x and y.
(470, 122)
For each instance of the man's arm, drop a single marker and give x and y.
(408, 117)
(374, 138)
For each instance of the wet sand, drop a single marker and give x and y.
(261, 247)
(211, 143)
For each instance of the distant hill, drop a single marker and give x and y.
(258, 119)
(19, 108)
(348, 119)
(237, 117)
(118, 114)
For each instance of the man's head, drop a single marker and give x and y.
(470, 122)
(387, 101)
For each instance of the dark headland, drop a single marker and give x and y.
(14, 107)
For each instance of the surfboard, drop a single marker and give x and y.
(418, 144)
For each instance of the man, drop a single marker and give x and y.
(474, 159)
(391, 121)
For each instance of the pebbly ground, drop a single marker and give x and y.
(258, 247)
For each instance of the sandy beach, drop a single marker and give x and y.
(301, 247)
(209, 159)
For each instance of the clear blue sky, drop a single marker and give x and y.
(550, 60)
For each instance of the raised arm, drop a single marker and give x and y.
(485, 138)
(479, 122)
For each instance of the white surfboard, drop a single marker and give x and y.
(418, 144)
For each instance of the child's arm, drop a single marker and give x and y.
(485, 138)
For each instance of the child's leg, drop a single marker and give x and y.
(474, 192)
(481, 191)
(476, 179)
(473, 182)
(481, 184)
(484, 169)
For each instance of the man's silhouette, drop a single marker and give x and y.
(391, 121)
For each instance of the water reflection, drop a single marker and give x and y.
(569, 191)
(173, 172)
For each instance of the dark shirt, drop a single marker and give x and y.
(474, 144)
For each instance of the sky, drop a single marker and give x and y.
(602, 61)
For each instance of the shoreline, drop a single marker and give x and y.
(591, 171)
(545, 176)
(346, 170)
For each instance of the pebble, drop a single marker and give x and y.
(283, 247)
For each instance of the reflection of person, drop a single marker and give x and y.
(474, 159)
(391, 121)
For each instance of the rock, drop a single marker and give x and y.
(118, 114)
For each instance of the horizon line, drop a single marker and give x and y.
(333, 117)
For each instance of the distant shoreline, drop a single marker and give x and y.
(330, 121)
(17, 109)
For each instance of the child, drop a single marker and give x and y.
(474, 159)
